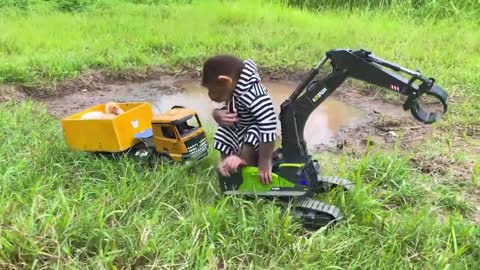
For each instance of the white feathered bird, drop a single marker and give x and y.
(112, 109)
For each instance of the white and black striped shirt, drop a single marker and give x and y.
(253, 104)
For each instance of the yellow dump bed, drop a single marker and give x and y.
(107, 135)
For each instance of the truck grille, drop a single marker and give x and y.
(197, 147)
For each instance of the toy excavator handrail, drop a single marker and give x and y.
(362, 65)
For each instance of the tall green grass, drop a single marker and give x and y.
(76, 5)
(49, 46)
(70, 210)
(430, 8)
(420, 8)
(64, 209)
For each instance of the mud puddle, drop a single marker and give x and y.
(321, 127)
(348, 117)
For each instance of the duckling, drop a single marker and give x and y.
(112, 109)
(93, 115)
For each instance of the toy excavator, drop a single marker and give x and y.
(295, 175)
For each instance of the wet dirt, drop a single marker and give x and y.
(351, 116)
(322, 125)
(9, 93)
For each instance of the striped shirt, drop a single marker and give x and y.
(253, 104)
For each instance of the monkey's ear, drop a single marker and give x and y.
(224, 80)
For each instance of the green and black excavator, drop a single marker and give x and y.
(296, 177)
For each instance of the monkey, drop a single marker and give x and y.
(247, 123)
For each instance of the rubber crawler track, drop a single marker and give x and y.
(325, 183)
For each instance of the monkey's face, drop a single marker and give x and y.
(221, 90)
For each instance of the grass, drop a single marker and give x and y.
(49, 46)
(422, 8)
(64, 209)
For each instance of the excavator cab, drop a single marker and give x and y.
(178, 134)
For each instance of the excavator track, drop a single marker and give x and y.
(327, 183)
(314, 214)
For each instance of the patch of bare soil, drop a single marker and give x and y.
(436, 165)
(382, 124)
(385, 124)
(96, 80)
(475, 197)
(9, 93)
(121, 91)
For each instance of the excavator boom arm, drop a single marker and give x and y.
(360, 65)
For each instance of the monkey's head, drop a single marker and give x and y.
(220, 76)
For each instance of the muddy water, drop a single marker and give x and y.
(166, 92)
(332, 121)
(322, 125)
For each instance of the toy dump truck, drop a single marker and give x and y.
(176, 134)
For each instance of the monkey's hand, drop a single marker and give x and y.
(225, 118)
(265, 173)
(265, 162)
(230, 164)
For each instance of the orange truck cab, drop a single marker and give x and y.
(178, 134)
